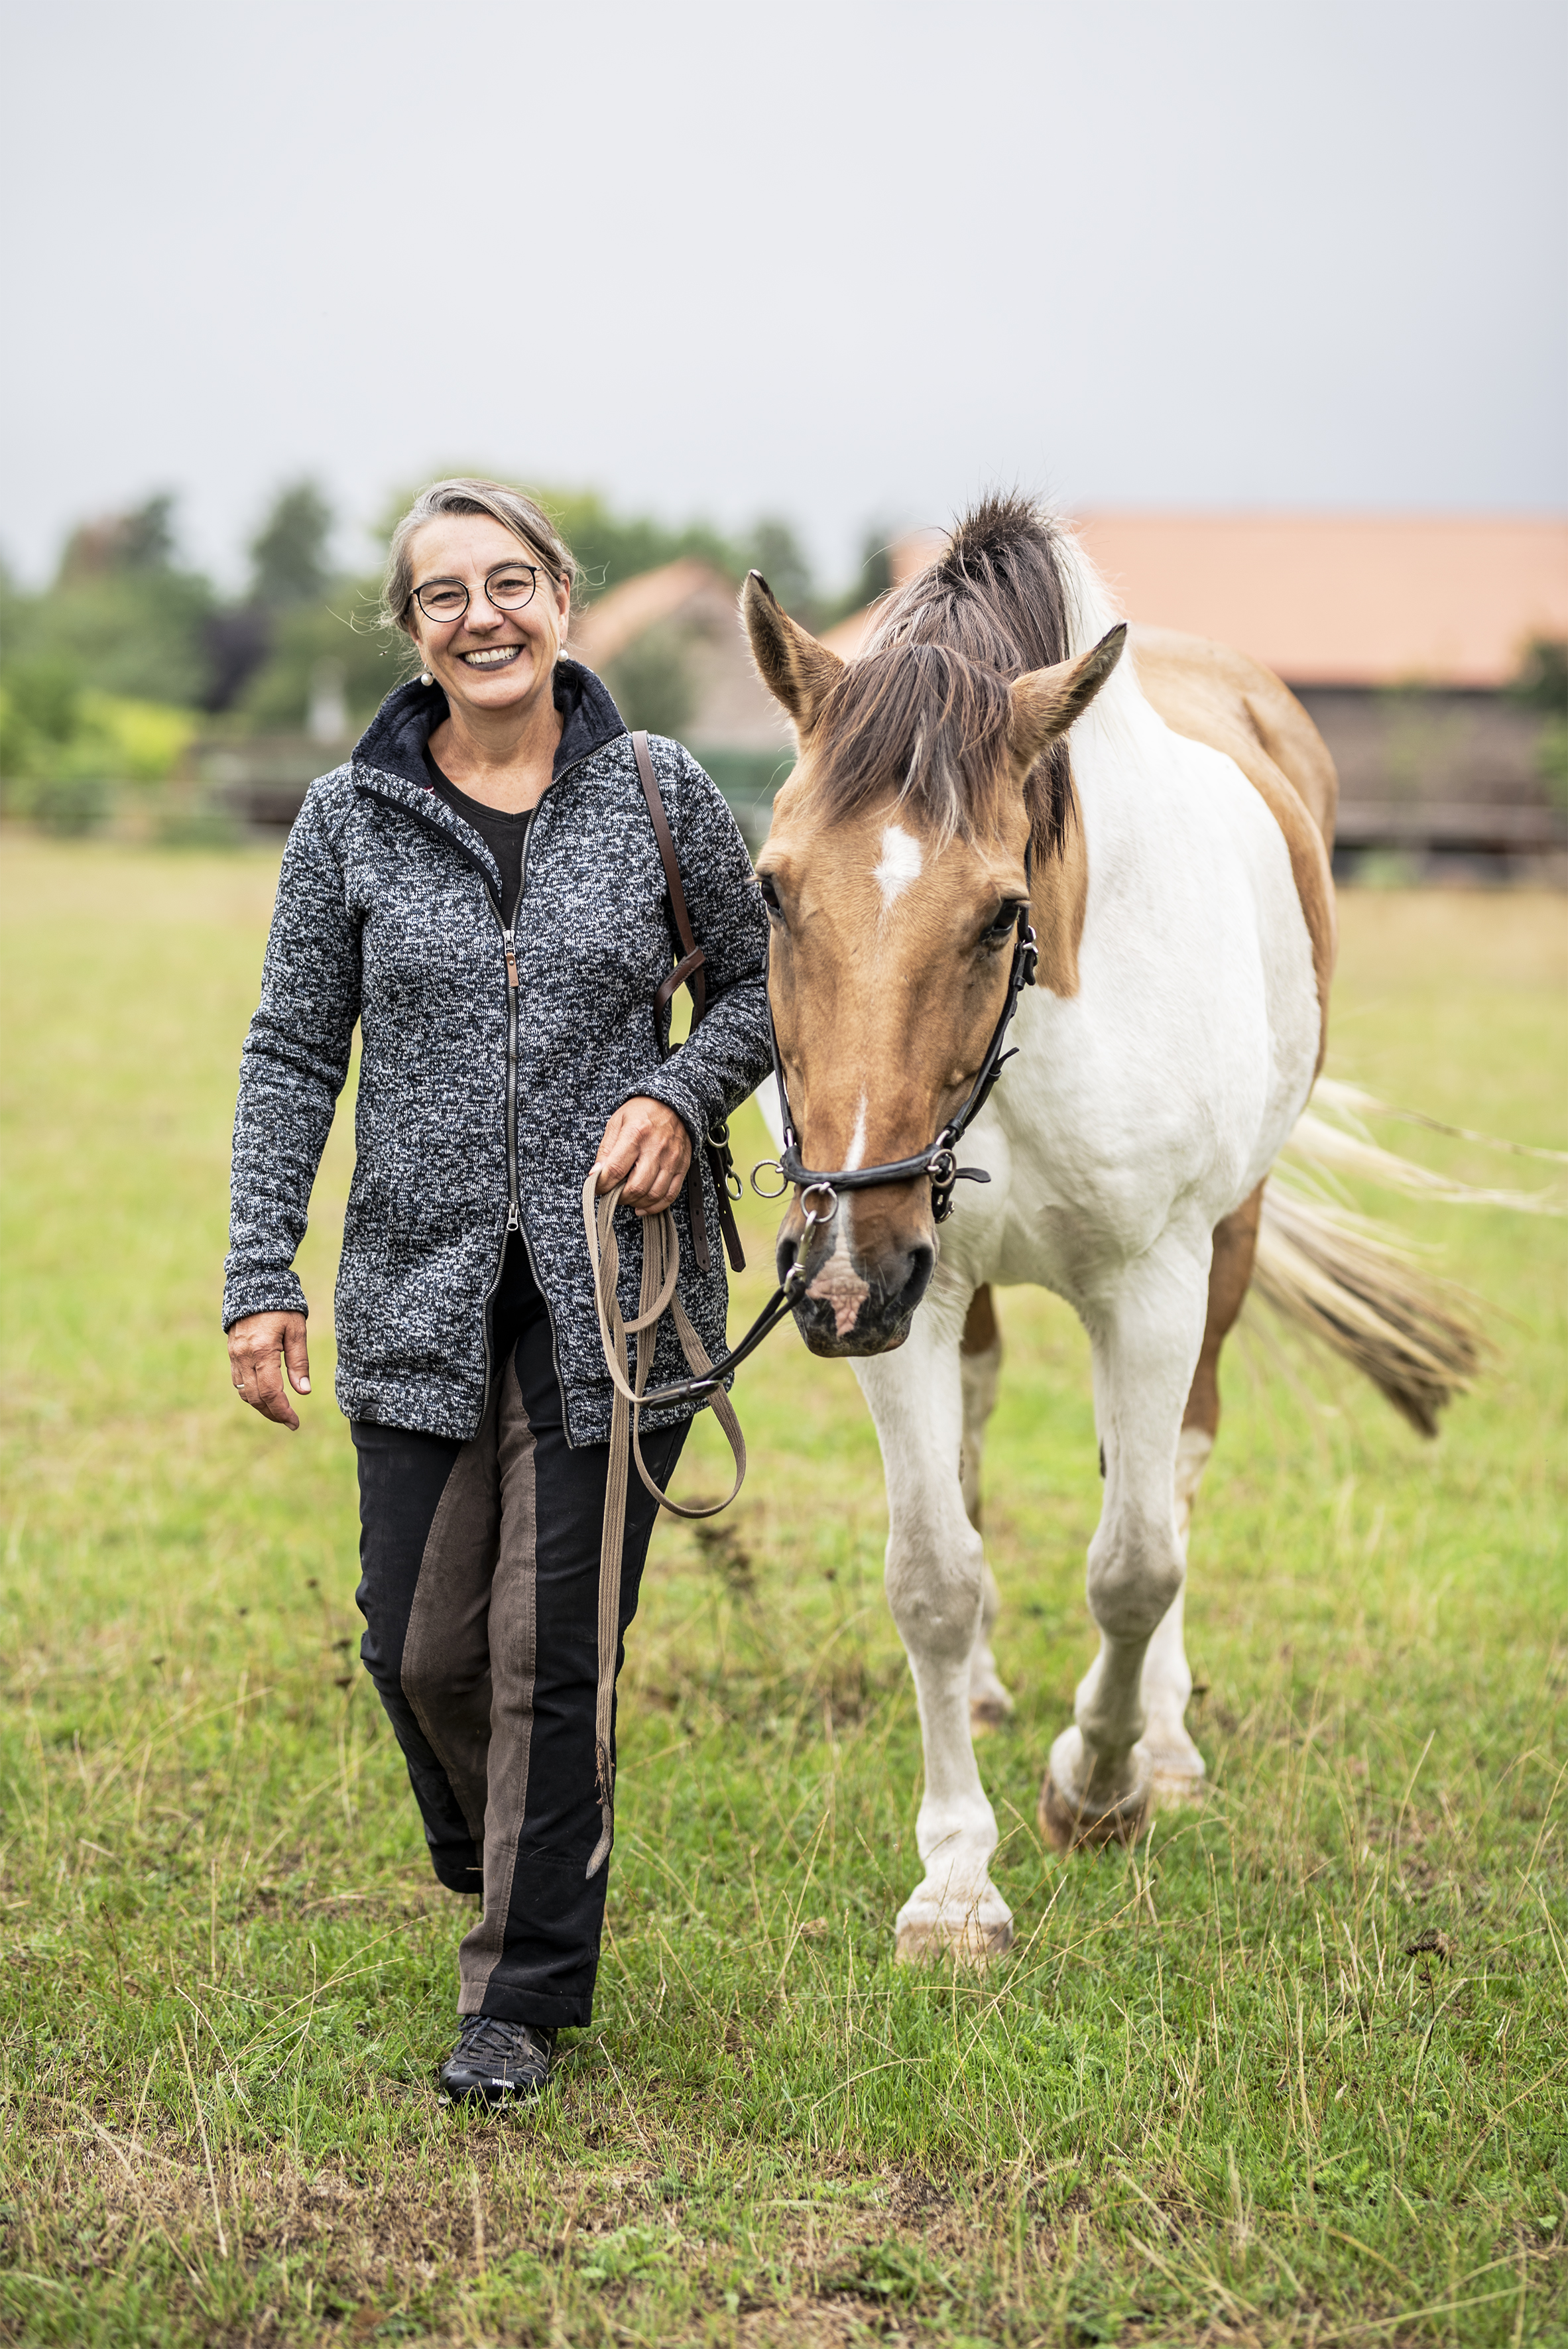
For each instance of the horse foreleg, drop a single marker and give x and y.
(1174, 1760)
(1146, 1338)
(936, 1577)
(980, 1365)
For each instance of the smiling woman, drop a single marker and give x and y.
(481, 890)
(480, 580)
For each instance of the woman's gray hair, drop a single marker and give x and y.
(509, 507)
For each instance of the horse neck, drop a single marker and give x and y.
(1115, 763)
(1106, 738)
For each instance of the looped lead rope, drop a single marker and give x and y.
(661, 1272)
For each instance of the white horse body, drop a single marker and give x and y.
(1138, 1113)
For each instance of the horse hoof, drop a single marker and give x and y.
(1176, 1772)
(936, 1923)
(1075, 1822)
(1177, 1784)
(1071, 1826)
(925, 1940)
(989, 1713)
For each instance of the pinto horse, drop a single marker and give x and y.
(1163, 819)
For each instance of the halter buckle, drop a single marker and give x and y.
(823, 1190)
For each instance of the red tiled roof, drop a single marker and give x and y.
(1327, 599)
(1351, 599)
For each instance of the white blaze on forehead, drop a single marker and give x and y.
(857, 1149)
(900, 863)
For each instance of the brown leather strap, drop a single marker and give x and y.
(671, 863)
(678, 978)
(659, 1294)
(691, 966)
(719, 1162)
(690, 972)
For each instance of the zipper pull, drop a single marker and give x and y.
(509, 947)
(514, 1222)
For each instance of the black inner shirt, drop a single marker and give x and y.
(506, 836)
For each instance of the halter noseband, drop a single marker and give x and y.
(937, 1161)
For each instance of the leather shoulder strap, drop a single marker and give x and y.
(689, 972)
(667, 845)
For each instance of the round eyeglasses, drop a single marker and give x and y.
(509, 587)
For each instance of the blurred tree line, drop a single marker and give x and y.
(107, 674)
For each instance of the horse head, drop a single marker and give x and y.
(894, 875)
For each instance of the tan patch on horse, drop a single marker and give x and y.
(1058, 896)
(980, 1330)
(1213, 695)
(882, 937)
(1230, 1271)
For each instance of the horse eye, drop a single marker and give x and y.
(1006, 923)
(765, 883)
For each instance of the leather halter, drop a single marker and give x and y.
(937, 1161)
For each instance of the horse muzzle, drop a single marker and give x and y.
(853, 1300)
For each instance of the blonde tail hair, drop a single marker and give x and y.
(1349, 1283)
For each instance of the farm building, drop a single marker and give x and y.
(1403, 635)
(669, 646)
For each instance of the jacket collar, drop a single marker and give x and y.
(389, 757)
(393, 744)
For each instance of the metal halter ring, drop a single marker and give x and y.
(827, 1192)
(783, 1179)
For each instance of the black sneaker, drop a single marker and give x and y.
(495, 2061)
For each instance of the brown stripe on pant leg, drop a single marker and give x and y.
(513, 1647)
(446, 1669)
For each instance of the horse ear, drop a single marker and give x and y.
(796, 670)
(1046, 700)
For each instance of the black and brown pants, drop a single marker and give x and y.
(480, 1589)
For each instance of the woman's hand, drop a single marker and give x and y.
(255, 1344)
(646, 1147)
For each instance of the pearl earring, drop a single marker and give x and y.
(424, 678)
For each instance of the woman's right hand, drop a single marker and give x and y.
(255, 1343)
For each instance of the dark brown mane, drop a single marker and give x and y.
(927, 702)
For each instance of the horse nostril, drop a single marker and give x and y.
(921, 1263)
(784, 1257)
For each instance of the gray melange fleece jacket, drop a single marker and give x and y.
(388, 914)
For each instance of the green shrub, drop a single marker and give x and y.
(62, 748)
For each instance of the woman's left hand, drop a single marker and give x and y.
(646, 1147)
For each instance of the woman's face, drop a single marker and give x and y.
(488, 660)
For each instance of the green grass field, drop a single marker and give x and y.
(1294, 2071)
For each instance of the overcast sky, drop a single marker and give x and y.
(847, 262)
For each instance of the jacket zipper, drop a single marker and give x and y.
(514, 1215)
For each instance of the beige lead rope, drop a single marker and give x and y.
(661, 1271)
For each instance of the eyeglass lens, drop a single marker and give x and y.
(508, 589)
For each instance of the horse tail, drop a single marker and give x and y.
(1351, 1283)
